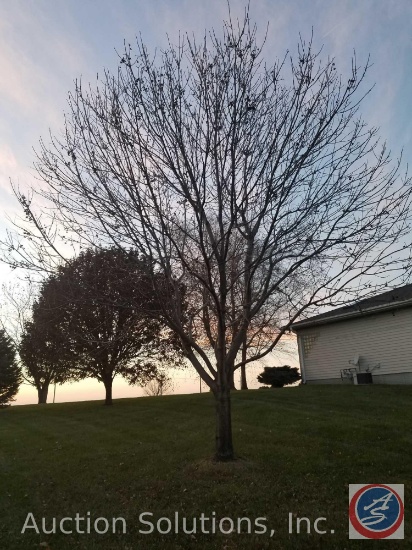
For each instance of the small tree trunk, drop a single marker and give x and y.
(42, 392)
(224, 443)
(232, 381)
(108, 384)
(243, 381)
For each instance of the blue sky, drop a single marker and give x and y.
(46, 44)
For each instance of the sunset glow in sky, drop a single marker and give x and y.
(45, 45)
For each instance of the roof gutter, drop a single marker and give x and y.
(343, 316)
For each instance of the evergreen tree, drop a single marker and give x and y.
(10, 373)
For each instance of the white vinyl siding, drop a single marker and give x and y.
(384, 338)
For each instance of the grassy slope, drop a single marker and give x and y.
(299, 449)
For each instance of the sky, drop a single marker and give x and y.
(45, 45)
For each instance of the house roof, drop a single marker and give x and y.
(387, 301)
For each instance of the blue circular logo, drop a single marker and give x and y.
(378, 509)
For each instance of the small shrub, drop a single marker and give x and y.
(277, 377)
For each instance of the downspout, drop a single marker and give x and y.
(301, 359)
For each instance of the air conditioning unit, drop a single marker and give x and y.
(355, 374)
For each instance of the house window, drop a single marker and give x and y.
(308, 342)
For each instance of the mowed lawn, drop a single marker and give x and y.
(298, 450)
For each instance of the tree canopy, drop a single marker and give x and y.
(92, 320)
(44, 350)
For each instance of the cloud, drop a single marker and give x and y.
(39, 58)
(9, 170)
(38, 62)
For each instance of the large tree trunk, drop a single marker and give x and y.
(108, 384)
(42, 392)
(224, 443)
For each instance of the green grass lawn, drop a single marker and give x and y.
(298, 449)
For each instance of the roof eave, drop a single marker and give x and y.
(343, 316)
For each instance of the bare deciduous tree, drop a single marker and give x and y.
(203, 158)
(16, 308)
(160, 385)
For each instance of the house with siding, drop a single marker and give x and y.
(369, 341)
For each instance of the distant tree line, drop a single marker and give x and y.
(92, 319)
